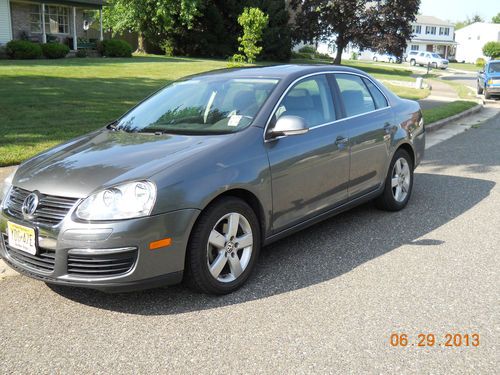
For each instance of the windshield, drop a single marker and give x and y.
(203, 105)
(435, 55)
(494, 68)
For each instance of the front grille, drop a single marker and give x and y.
(44, 261)
(101, 265)
(51, 209)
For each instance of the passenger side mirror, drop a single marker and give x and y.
(289, 125)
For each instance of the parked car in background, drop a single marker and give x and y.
(385, 58)
(488, 79)
(411, 55)
(193, 181)
(429, 59)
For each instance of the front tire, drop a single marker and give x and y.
(413, 62)
(479, 89)
(223, 247)
(398, 183)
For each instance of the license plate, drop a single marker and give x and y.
(22, 238)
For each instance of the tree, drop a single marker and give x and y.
(381, 25)
(496, 19)
(215, 30)
(149, 18)
(492, 50)
(253, 21)
(468, 21)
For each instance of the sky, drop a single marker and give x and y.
(458, 10)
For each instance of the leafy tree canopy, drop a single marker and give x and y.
(381, 25)
(496, 19)
(149, 18)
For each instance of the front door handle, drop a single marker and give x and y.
(388, 128)
(341, 140)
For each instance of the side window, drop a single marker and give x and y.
(421, 54)
(378, 97)
(310, 99)
(355, 95)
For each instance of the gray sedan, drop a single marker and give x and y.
(193, 181)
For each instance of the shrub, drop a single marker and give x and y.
(236, 61)
(81, 53)
(116, 48)
(3, 52)
(492, 50)
(301, 55)
(480, 62)
(307, 49)
(23, 50)
(55, 50)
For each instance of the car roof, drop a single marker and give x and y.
(279, 71)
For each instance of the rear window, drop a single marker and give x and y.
(378, 97)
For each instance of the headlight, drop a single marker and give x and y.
(490, 81)
(130, 200)
(7, 183)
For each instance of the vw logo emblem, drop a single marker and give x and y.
(30, 205)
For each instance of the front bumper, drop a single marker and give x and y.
(493, 89)
(109, 256)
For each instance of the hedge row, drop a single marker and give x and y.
(26, 50)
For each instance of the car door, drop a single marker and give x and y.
(370, 121)
(310, 172)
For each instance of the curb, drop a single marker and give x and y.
(439, 124)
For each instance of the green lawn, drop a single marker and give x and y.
(449, 109)
(464, 66)
(46, 102)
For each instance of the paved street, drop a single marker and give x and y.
(325, 300)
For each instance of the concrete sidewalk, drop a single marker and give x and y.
(441, 93)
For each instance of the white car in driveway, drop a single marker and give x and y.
(428, 59)
(385, 58)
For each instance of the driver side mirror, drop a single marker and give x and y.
(289, 125)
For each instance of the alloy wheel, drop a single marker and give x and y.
(229, 247)
(400, 181)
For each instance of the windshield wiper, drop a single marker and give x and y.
(113, 126)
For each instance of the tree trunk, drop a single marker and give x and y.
(340, 48)
(140, 43)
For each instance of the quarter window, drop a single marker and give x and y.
(378, 97)
(355, 95)
(310, 99)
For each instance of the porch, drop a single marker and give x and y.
(77, 24)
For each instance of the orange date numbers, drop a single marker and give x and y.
(455, 340)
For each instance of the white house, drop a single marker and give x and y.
(433, 35)
(471, 40)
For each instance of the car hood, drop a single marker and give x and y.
(493, 75)
(106, 158)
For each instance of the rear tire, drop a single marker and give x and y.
(398, 183)
(223, 247)
(479, 89)
(412, 62)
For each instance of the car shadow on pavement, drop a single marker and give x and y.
(318, 254)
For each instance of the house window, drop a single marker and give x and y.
(430, 30)
(417, 29)
(35, 19)
(444, 31)
(56, 19)
(414, 47)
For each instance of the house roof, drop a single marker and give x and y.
(81, 3)
(431, 20)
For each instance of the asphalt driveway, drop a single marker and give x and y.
(325, 300)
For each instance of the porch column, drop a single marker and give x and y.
(75, 42)
(445, 51)
(101, 35)
(44, 34)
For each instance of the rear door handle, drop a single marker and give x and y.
(341, 140)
